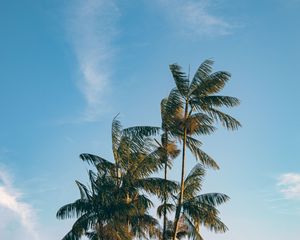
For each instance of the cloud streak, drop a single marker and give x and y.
(289, 185)
(192, 17)
(91, 28)
(10, 200)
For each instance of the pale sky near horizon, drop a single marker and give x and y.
(68, 67)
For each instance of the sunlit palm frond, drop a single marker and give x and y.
(201, 212)
(212, 84)
(199, 124)
(193, 182)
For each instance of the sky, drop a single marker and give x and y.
(68, 67)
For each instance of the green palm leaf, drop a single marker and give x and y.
(201, 74)
(213, 83)
(193, 181)
(226, 120)
(168, 207)
(212, 199)
(192, 231)
(181, 80)
(201, 156)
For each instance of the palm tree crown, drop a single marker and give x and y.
(115, 205)
(200, 104)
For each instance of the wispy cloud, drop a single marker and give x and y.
(289, 185)
(193, 17)
(11, 202)
(91, 28)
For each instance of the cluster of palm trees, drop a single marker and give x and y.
(116, 204)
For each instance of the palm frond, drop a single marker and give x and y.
(157, 186)
(201, 156)
(214, 83)
(218, 101)
(202, 73)
(212, 199)
(72, 235)
(145, 165)
(199, 124)
(100, 163)
(181, 80)
(193, 181)
(76, 209)
(116, 133)
(141, 131)
(169, 207)
(216, 225)
(84, 192)
(194, 142)
(226, 120)
(201, 212)
(192, 231)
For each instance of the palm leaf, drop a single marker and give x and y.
(141, 131)
(193, 181)
(214, 83)
(72, 235)
(212, 199)
(201, 156)
(100, 163)
(168, 207)
(202, 73)
(157, 186)
(181, 80)
(226, 120)
(116, 133)
(76, 209)
(84, 192)
(200, 124)
(192, 230)
(218, 101)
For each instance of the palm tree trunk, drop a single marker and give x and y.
(127, 202)
(165, 201)
(180, 200)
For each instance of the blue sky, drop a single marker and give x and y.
(68, 67)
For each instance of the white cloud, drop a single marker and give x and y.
(193, 17)
(289, 184)
(90, 25)
(12, 209)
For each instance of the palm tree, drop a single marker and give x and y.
(114, 206)
(169, 151)
(201, 209)
(172, 115)
(200, 106)
(100, 210)
(197, 209)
